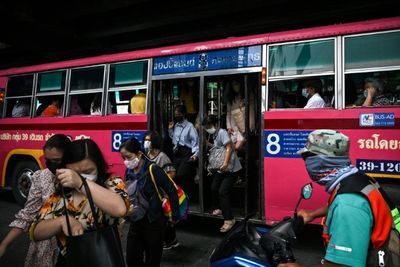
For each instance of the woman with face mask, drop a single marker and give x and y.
(224, 178)
(152, 146)
(83, 160)
(42, 253)
(146, 236)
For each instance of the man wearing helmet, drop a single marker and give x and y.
(357, 218)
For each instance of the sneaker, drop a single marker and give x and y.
(171, 245)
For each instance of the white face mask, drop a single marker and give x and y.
(147, 145)
(91, 177)
(132, 164)
(365, 93)
(211, 130)
(305, 93)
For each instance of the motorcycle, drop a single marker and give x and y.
(248, 245)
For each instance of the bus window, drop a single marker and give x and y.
(128, 74)
(295, 93)
(51, 81)
(85, 104)
(372, 52)
(386, 90)
(18, 96)
(87, 78)
(127, 101)
(49, 106)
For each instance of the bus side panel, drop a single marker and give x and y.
(374, 149)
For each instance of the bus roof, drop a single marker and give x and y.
(231, 42)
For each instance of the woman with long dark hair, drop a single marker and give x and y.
(83, 160)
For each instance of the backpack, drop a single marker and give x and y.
(138, 201)
(389, 254)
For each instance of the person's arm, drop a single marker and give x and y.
(310, 215)
(10, 237)
(105, 199)
(194, 141)
(46, 229)
(226, 141)
(370, 98)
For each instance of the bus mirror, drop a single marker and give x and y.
(306, 191)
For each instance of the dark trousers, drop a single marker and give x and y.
(170, 233)
(145, 243)
(221, 188)
(185, 169)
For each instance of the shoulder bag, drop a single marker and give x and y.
(98, 248)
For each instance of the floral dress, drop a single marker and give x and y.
(42, 253)
(54, 207)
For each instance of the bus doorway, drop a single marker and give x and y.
(214, 95)
(225, 96)
(166, 95)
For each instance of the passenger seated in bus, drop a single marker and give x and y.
(138, 104)
(95, 106)
(75, 107)
(21, 108)
(311, 91)
(235, 113)
(373, 93)
(53, 109)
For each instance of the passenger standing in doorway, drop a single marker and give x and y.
(43, 253)
(185, 140)
(152, 147)
(226, 176)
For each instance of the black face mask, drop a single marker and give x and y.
(53, 166)
(178, 119)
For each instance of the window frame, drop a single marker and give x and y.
(334, 73)
(344, 72)
(31, 96)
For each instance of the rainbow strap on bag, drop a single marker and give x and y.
(183, 198)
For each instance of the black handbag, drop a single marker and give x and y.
(98, 248)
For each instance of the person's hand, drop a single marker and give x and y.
(69, 178)
(3, 249)
(193, 158)
(307, 215)
(290, 264)
(171, 125)
(76, 226)
(224, 167)
(372, 92)
(230, 130)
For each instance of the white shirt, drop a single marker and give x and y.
(315, 101)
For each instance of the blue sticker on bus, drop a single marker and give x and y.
(119, 136)
(377, 119)
(284, 144)
(214, 60)
(388, 167)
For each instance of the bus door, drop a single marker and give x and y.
(166, 95)
(221, 96)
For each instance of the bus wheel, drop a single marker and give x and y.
(21, 180)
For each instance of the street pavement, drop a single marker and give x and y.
(197, 237)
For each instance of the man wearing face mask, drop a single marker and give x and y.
(311, 91)
(358, 221)
(185, 140)
(43, 253)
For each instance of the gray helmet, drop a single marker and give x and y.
(326, 142)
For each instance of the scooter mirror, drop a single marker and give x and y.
(306, 191)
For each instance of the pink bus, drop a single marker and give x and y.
(94, 96)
